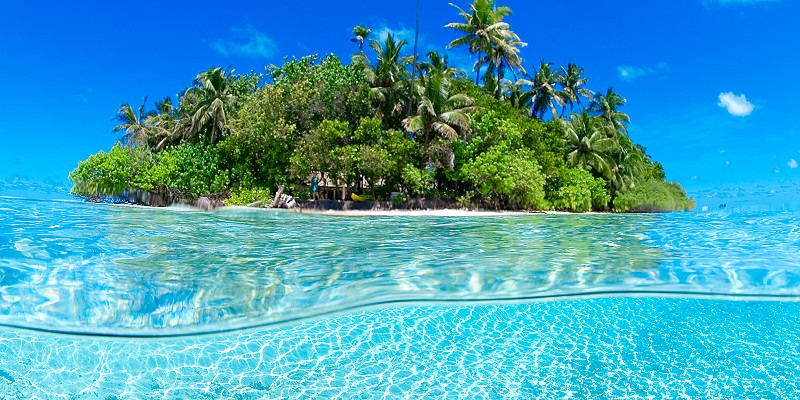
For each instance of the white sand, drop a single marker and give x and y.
(410, 213)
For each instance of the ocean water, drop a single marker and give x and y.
(107, 301)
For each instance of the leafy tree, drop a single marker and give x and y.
(507, 178)
(113, 173)
(579, 191)
(326, 150)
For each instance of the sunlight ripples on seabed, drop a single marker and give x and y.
(123, 270)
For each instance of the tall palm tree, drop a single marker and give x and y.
(588, 145)
(545, 90)
(134, 125)
(215, 104)
(607, 107)
(481, 29)
(573, 86)
(502, 55)
(389, 75)
(163, 123)
(439, 112)
(361, 34)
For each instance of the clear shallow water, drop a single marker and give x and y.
(603, 348)
(121, 270)
(299, 285)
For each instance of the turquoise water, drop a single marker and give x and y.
(103, 301)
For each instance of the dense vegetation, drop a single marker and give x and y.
(384, 124)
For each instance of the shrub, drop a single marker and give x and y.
(653, 196)
(244, 197)
(507, 178)
(110, 174)
(579, 191)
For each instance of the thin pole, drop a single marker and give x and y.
(414, 73)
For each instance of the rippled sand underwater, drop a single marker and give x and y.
(600, 348)
(101, 301)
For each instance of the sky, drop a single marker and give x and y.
(710, 84)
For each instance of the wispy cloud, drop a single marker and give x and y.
(792, 163)
(247, 42)
(736, 105)
(402, 33)
(631, 72)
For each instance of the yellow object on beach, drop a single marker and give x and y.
(363, 198)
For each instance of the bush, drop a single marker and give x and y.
(419, 182)
(244, 197)
(111, 174)
(579, 191)
(507, 178)
(654, 196)
(193, 170)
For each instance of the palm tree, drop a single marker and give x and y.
(389, 75)
(573, 86)
(607, 107)
(482, 28)
(134, 125)
(163, 124)
(515, 93)
(504, 54)
(361, 33)
(545, 92)
(588, 145)
(439, 112)
(215, 103)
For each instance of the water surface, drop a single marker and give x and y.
(123, 270)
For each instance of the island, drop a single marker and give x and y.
(388, 128)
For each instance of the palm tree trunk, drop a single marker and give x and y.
(478, 72)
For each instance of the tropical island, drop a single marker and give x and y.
(389, 127)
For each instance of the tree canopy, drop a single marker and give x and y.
(379, 126)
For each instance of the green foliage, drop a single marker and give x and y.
(418, 182)
(326, 150)
(111, 174)
(579, 191)
(507, 178)
(312, 91)
(244, 197)
(191, 170)
(654, 196)
(434, 134)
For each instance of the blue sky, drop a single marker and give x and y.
(711, 84)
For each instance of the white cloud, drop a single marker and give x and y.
(792, 164)
(247, 42)
(736, 105)
(403, 33)
(630, 72)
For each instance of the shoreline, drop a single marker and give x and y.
(446, 212)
